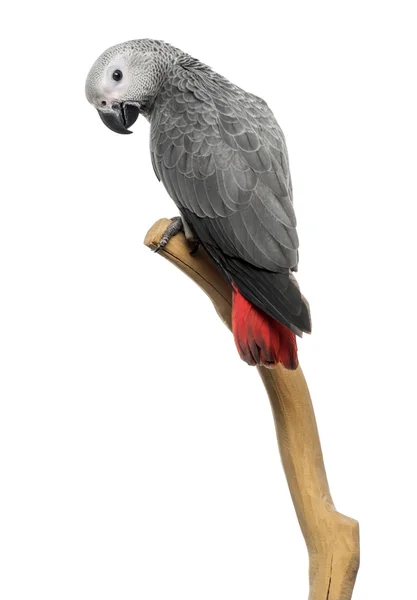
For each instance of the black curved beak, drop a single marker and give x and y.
(120, 117)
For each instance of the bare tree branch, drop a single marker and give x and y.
(332, 539)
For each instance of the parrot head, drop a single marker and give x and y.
(124, 81)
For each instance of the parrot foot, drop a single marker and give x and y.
(178, 224)
(173, 228)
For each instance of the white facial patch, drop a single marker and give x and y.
(113, 90)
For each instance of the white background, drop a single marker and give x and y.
(138, 454)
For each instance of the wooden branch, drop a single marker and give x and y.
(332, 539)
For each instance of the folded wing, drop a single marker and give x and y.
(222, 157)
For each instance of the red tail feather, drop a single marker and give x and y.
(260, 339)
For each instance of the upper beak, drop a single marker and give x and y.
(120, 117)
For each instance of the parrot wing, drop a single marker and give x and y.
(222, 157)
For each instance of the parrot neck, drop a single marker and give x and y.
(154, 62)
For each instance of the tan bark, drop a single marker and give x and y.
(332, 539)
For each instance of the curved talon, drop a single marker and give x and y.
(159, 247)
(195, 245)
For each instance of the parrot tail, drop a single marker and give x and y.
(260, 339)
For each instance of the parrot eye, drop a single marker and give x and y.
(117, 75)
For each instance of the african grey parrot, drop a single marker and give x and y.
(222, 157)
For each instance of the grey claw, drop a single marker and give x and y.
(162, 243)
(194, 248)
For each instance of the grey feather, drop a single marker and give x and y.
(238, 150)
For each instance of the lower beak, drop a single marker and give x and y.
(120, 117)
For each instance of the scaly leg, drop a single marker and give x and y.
(173, 228)
(191, 237)
(179, 224)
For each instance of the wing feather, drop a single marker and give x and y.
(223, 159)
